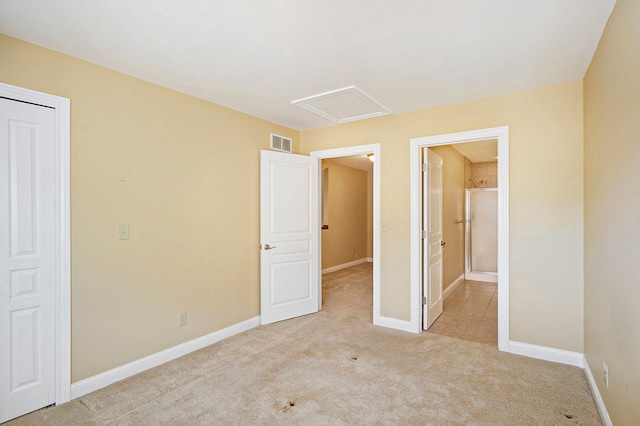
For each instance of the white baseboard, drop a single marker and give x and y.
(346, 265)
(487, 277)
(450, 289)
(107, 378)
(546, 353)
(602, 409)
(393, 323)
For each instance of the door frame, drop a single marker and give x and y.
(374, 148)
(62, 147)
(502, 135)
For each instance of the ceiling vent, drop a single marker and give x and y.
(343, 105)
(280, 143)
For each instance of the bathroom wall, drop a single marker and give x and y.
(484, 171)
(453, 195)
(467, 173)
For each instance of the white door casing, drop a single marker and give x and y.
(417, 144)
(432, 243)
(289, 236)
(374, 148)
(27, 258)
(34, 250)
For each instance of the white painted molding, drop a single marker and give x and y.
(415, 167)
(602, 409)
(107, 378)
(452, 287)
(487, 277)
(546, 353)
(393, 323)
(345, 265)
(62, 135)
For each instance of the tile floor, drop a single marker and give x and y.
(470, 313)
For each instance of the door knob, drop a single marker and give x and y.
(268, 247)
(442, 243)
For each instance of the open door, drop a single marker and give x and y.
(27, 258)
(432, 243)
(289, 236)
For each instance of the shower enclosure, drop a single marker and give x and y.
(481, 253)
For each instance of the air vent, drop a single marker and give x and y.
(280, 143)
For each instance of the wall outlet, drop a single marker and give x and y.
(182, 319)
(605, 373)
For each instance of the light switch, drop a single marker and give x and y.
(123, 231)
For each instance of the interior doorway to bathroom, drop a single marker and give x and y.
(470, 231)
(479, 172)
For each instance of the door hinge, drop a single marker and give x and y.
(424, 167)
(424, 300)
(423, 234)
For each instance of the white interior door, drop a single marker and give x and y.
(432, 243)
(289, 236)
(27, 258)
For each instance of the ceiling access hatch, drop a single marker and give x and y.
(343, 105)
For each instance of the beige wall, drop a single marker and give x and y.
(184, 174)
(346, 238)
(612, 218)
(546, 224)
(163, 162)
(453, 199)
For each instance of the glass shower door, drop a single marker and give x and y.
(482, 234)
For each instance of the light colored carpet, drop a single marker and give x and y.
(336, 368)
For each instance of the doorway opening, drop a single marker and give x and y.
(469, 228)
(341, 157)
(501, 135)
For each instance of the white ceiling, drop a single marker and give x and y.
(256, 56)
(360, 162)
(479, 151)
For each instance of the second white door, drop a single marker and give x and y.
(289, 234)
(432, 244)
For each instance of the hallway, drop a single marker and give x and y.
(470, 313)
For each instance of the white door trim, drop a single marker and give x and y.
(62, 140)
(502, 135)
(374, 148)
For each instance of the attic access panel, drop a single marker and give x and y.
(343, 105)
